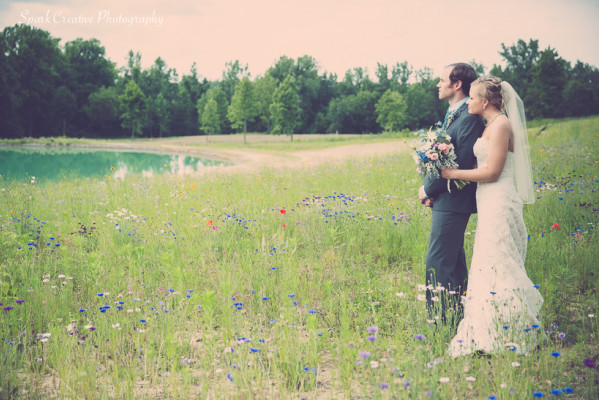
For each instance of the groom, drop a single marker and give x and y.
(446, 260)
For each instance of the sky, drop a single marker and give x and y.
(340, 35)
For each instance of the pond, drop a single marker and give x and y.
(57, 164)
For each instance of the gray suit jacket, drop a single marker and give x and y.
(464, 130)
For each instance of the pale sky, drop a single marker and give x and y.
(340, 35)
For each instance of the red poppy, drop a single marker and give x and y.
(555, 226)
(209, 222)
(284, 226)
(283, 211)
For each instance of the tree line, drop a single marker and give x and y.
(48, 89)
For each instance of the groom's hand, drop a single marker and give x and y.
(424, 199)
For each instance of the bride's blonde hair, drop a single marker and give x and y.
(489, 87)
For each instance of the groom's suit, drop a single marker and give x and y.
(446, 260)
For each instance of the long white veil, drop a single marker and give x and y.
(514, 109)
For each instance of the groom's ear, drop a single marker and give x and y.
(458, 85)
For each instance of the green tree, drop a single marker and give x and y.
(264, 89)
(382, 74)
(162, 113)
(222, 105)
(282, 69)
(581, 93)
(400, 75)
(520, 60)
(233, 73)
(133, 104)
(185, 113)
(159, 85)
(285, 108)
(103, 110)
(549, 77)
(30, 62)
(354, 113)
(478, 67)
(65, 106)
(390, 110)
(210, 118)
(242, 106)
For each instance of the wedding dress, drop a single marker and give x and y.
(502, 303)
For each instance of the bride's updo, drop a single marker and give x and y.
(489, 87)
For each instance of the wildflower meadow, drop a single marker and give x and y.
(301, 283)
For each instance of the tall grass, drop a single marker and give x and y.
(298, 283)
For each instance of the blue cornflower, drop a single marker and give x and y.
(291, 295)
(556, 392)
(265, 298)
(254, 349)
(556, 354)
(312, 312)
(537, 394)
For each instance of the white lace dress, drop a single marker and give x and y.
(502, 303)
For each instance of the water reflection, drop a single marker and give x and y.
(64, 164)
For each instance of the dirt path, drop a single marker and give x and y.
(252, 160)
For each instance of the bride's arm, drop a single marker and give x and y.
(499, 139)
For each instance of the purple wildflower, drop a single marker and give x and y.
(590, 363)
(372, 329)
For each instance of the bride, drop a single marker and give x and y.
(502, 304)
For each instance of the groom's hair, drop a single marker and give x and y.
(462, 72)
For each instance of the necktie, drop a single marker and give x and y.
(444, 126)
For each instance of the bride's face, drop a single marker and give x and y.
(475, 102)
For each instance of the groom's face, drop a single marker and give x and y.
(446, 88)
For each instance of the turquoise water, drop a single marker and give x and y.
(21, 163)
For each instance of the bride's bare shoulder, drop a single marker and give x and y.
(500, 130)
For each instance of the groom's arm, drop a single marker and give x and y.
(466, 130)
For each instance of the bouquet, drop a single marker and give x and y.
(433, 152)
